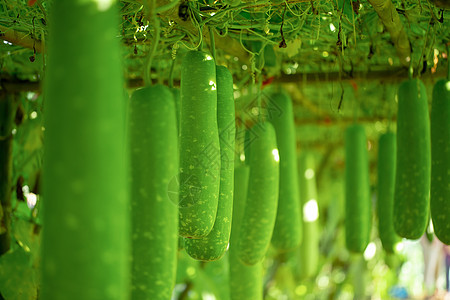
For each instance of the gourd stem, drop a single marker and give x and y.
(448, 61)
(148, 63)
(171, 74)
(212, 43)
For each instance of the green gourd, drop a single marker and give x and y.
(309, 248)
(358, 206)
(85, 243)
(413, 168)
(262, 197)
(287, 232)
(199, 146)
(245, 282)
(386, 185)
(153, 150)
(177, 99)
(440, 161)
(213, 246)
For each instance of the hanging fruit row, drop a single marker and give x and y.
(176, 177)
(413, 172)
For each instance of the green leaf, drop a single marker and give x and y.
(17, 277)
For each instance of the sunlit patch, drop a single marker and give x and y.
(447, 85)
(301, 290)
(370, 251)
(323, 282)
(310, 211)
(309, 173)
(33, 115)
(104, 4)
(208, 57)
(190, 271)
(242, 157)
(213, 85)
(275, 154)
(399, 246)
(208, 296)
(332, 27)
(31, 200)
(7, 43)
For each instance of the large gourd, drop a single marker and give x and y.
(386, 185)
(246, 282)
(213, 246)
(262, 196)
(85, 242)
(413, 168)
(199, 146)
(440, 161)
(153, 150)
(358, 207)
(287, 233)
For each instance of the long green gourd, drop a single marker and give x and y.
(386, 185)
(262, 196)
(358, 207)
(246, 282)
(153, 150)
(413, 168)
(199, 146)
(85, 242)
(440, 161)
(177, 100)
(287, 233)
(213, 246)
(309, 248)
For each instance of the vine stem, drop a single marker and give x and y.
(148, 63)
(448, 61)
(212, 43)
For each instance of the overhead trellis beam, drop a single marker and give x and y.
(19, 38)
(228, 44)
(391, 21)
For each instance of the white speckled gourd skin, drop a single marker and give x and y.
(262, 196)
(440, 161)
(85, 240)
(199, 146)
(213, 246)
(153, 150)
(246, 282)
(413, 171)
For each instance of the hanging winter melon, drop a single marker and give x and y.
(85, 243)
(413, 168)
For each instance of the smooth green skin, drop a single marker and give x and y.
(413, 168)
(386, 185)
(309, 248)
(440, 161)
(153, 150)
(287, 233)
(358, 206)
(246, 282)
(177, 99)
(262, 197)
(85, 242)
(213, 246)
(199, 146)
